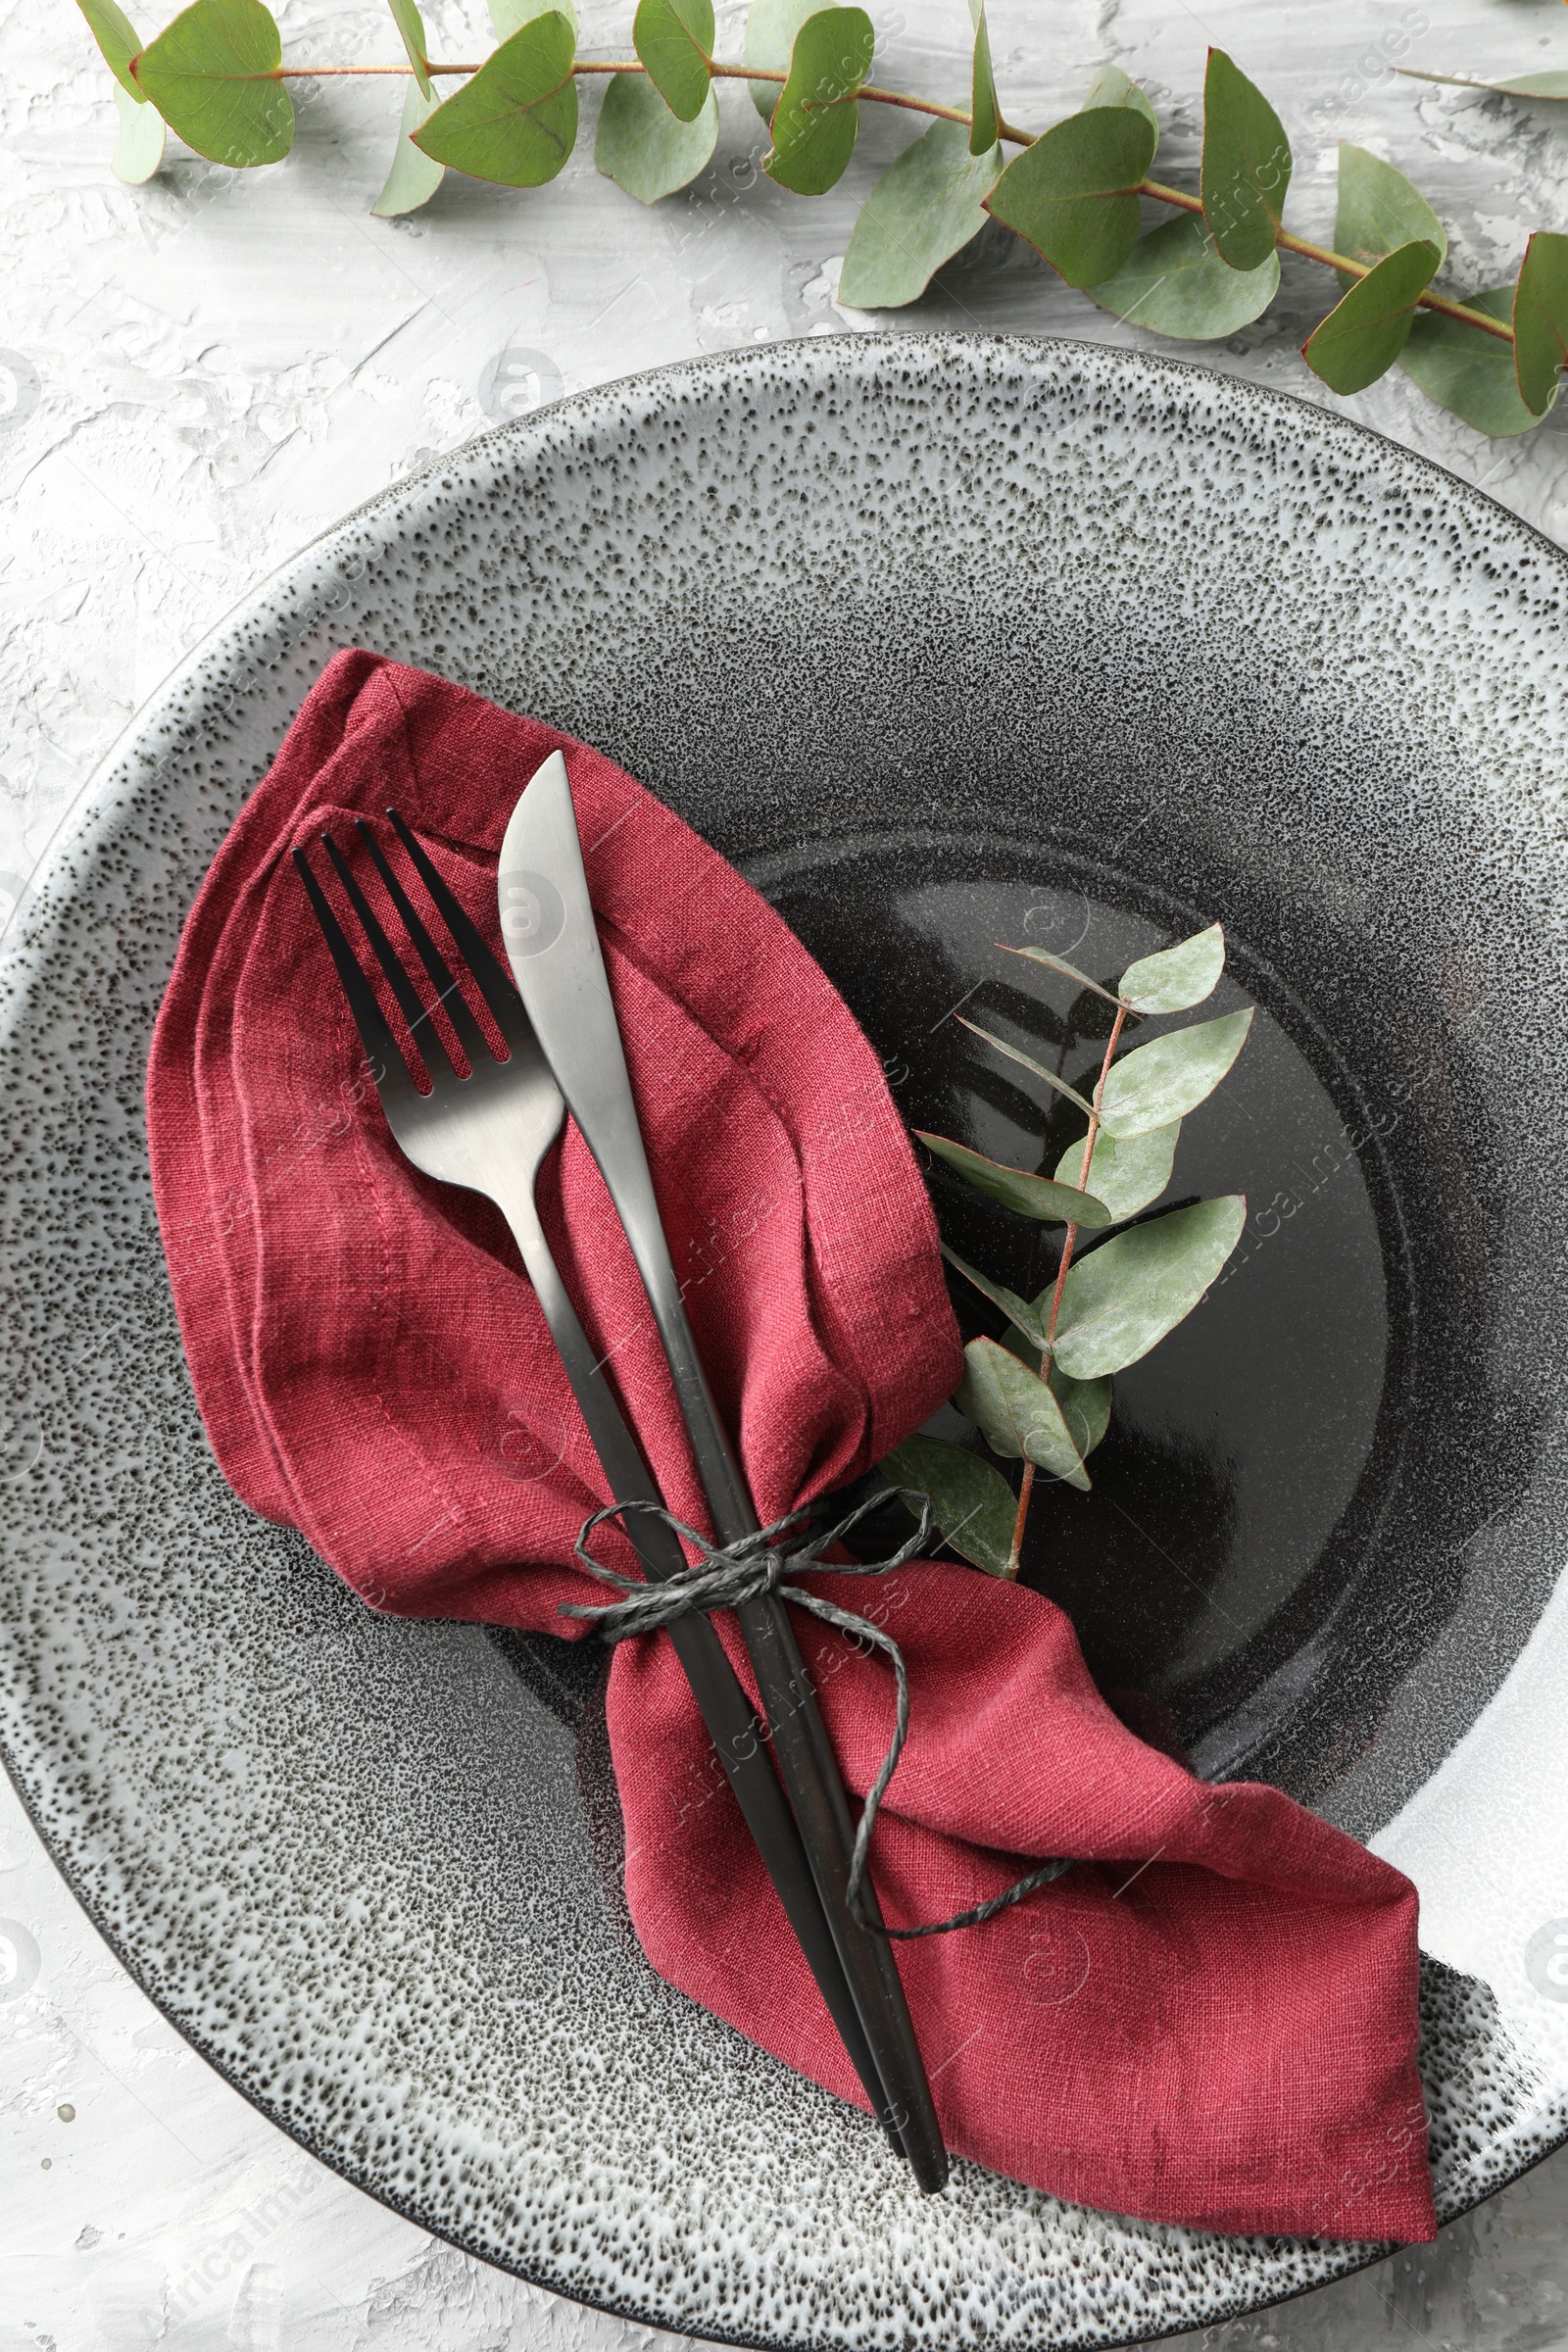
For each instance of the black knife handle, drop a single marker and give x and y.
(816, 1789)
(806, 1763)
(806, 1760)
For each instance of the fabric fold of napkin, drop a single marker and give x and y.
(1213, 2020)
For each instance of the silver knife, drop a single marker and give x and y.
(547, 923)
(552, 940)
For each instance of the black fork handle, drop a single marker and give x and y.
(726, 1711)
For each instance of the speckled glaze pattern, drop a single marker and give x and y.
(1209, 644)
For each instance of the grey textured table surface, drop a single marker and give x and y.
(196, 376)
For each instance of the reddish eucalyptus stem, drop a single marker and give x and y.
(1025, 1491)
(1027, 1485)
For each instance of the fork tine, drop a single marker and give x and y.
(442, 979)
(494, 985)
(386, 956)
(380, 1047)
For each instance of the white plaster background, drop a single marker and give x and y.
(196, 376)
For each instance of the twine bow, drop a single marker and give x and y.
(728, 1576)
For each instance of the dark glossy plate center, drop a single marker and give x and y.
(1243, 1464)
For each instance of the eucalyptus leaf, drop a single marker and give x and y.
(1069, 972)
(817, 120)
(1112, 87)
(1031, 1196)
(770, 29)
(985, 116)
(1176, 282)
(1129, 1172)
(1028, 1063)
(971, 1503)
(1016, 1413)
(1020, 1312)
(1120, 1300)
(414, 179)
(923, 210)
(1175, 979)
(212, 75)
(1073, 194)
(674, 38)
(1163, 1081)
(1367, 328)
(645, 148)
(1246, 164)
(510, 16)
(410, 27)
(1541, 319)
(139, 140)
(1534, 86)
(1085, 1407)
(1524, 86)
(115, 37)
(1469, 374)
(1380, 211)
(516, 122)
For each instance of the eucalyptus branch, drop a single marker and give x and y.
(869, 95)
(1108, 1307)
(1074, 191)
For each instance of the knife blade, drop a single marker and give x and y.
(547, 923)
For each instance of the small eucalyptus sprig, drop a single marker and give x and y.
(1074, 192)
(1043, 1396)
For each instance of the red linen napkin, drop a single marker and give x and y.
(1213, 2020)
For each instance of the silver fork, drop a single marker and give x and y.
(489, 1132)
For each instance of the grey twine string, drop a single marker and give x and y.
(727, 1577)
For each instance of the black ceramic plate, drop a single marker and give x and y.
(944, 641)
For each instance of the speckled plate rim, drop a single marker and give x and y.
(1338, 2262)
(1513, 2153)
